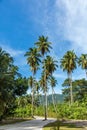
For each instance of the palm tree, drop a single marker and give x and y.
(53, 83)
(5, 61)
(30, 84)
(37, 88)
(68, 64)
(33, 61)
(42, 83)
(44, 46)
(83, 62)
(44, 88)
(49, 66)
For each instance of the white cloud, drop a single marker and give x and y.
(67, 20)
(75, 13)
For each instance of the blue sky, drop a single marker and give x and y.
(63, 21)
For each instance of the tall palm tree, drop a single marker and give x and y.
(37, 88)
(44, 46)
(31, 81)
(33, 59)
(44, 88)
(83, 62)
(49, 66)
(68, 64)
(53, 83)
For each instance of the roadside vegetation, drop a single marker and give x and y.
(16, 103)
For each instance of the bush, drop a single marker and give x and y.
(66, 111)
(23, 111)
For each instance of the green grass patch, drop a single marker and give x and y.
(62, 126)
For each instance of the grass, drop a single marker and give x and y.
(63, 126)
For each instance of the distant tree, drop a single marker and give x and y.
(66, 90)
(79, 90)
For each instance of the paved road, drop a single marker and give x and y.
(35, 124)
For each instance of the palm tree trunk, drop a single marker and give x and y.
(70, 82)
(33, 99)
(45, 98)
(54, 101)
(86, 72)
(32, 102)
(71, 92)
(45, 105)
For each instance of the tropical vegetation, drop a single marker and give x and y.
(15, 99)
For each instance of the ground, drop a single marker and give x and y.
(35, 124)
(38, 123)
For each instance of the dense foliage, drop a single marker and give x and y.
(11, 84)
(14, 100)
(79, 90)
